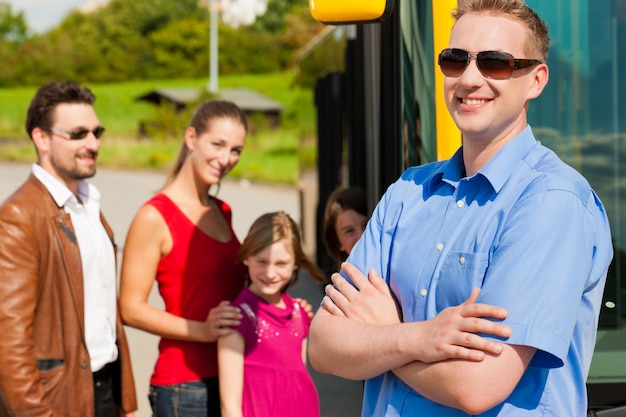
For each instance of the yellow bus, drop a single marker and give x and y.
(383, 111)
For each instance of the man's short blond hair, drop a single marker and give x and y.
(538, 41)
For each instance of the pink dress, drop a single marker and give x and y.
(275, 383)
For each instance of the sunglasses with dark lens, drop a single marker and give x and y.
(80, 133)
(496, 65)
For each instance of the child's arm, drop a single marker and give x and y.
(230, 352)
(304, 350)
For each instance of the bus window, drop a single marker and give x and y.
(578, 115)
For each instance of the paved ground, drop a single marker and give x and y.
(124, 192)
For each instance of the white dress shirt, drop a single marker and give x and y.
(98, 262)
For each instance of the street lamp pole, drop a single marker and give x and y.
(213, 48)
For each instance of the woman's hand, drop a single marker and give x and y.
(306, 306)
(220, 320)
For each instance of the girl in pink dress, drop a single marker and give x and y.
(262, 364)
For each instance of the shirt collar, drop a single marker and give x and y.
(59, 192)
(497, 170)
(501, 166)
(449, 171)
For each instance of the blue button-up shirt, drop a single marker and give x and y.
(531, 233)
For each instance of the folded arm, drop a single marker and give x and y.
(473, 387)
(445, 349)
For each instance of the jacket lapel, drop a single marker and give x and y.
(70, 254)
(67, 245)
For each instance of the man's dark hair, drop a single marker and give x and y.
(41, 110)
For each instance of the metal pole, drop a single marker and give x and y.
(213, 68)
(372, 55)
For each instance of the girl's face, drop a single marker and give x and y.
(271, 270)
(349, 227)
(216, 152)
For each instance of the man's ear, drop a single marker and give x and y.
(41, 140)
(539, 81)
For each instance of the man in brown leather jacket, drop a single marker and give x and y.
(63, 351)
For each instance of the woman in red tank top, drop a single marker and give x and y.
(183, 239)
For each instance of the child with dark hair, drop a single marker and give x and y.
(345, 217)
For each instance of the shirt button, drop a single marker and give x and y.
(462, 260)
(424, 292)
(84, 364)
(439, 246)
(460, 203)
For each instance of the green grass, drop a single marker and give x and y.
(13, 106)
(269, 156)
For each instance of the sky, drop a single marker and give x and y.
(42, 15)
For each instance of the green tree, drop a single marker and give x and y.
(41, 60)
(127, 40)
(277, 10)
(248, 50)
(113, 43)
(180, 49)
(13, 28)
(268, 45)
(13, 32)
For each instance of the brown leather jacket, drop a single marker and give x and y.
(44, 364)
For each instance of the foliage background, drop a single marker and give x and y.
(127, 48)
(149, 39)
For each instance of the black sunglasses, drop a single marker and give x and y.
(491, 64)
(81, 133)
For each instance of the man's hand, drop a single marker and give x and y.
(369, 300)
(452, 334)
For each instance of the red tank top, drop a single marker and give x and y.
(197, 274)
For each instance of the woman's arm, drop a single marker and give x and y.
(148, 240)
(230, 353)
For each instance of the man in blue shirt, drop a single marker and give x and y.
(504, 215)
